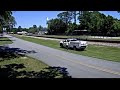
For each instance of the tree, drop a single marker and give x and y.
(115, 28)
(74, 14)
(84, 20)
(4, 17)
(96, 22)
(25, 29)
(56, 26)
(11, 23)
(19, 29)
(40, 28)
(14, 30)
(71, 28)
(66, 17)
(118, 11)
(35, 29)
(34, 26)
(99, 24)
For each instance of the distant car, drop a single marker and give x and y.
(29, 34)
(22, 33)
(1, 34)
(75, 44)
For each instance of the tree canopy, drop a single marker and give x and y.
(6, 20)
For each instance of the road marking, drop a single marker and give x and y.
(91, 66)
(81, 63)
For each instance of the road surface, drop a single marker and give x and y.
(78, 66)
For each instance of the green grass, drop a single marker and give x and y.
(5, 40)
(102, 52)
(30, 64)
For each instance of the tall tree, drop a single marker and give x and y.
(19, 29)
(35, 29)
(4, 17)
(40, 28)
(84, 19)
(34, 26)
(80, 14)
(10, 23)
(65, 17)
(74, 15)
(56, 26)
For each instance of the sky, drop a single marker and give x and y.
(27, 19)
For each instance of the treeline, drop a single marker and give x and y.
(94, 22)
(34, 29)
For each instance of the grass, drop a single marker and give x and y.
(5, 40)
(30, 64)
(97, 51)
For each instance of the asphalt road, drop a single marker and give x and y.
(78, 66)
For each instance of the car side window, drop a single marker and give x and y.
(67, 40)
(64, 41)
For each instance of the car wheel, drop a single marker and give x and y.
(61, 45)
(82, 49)
(74, 48)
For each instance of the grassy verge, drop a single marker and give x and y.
(5, 40)
(29, 63)
(102, 52)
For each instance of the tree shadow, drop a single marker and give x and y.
(7, 53)
(5, 40)
(10, 71)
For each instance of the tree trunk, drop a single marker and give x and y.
(75, 17)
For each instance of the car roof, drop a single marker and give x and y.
(72, 39)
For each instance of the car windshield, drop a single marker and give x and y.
(74, 40)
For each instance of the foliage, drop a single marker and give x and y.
(71, 28)
(66, 17)
(4, 18)
(99, 24)
(56, 26)
(7, 20)
(19, 29)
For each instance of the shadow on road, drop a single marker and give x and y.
(5, 40)
(7, 53)
(10, 71)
